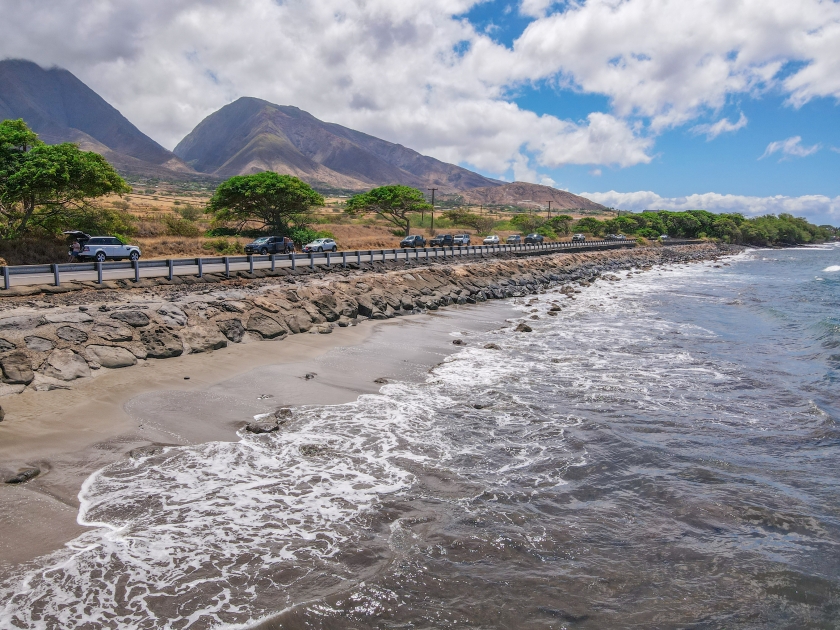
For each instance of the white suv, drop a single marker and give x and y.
(101, 248)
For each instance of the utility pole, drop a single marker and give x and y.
(433, 207)
(549, 209)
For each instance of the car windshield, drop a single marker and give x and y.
(262, 239)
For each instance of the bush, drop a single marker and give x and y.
(303, 235)
(189, 212)
(176, 226)
(221, 230)
(222, 246)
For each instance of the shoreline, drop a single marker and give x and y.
(69, 433)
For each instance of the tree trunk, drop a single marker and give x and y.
(407, 226)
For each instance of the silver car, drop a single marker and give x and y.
(491, 240)
(101, 248)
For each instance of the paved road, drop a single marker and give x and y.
(69, 273)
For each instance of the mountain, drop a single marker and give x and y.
(525, 194)
(60, 108)
(251, 135)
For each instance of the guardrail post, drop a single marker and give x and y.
(294, 258)
(169, 264)
(250, 263)
(200, 268)
(136, 264)
(344, 259)
(7, 284)
(227, 266)
(426, 249)
(273, 262)
(358, 257)
(56, 276)
(328, 259)
(312, 260)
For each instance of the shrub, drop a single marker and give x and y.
(176, 226)
(189, 212)
(221, 246)
(303, 235)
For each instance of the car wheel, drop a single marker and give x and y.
(335, 249)
(133, 256)
(320, 249)
(263, 251)
(100, 256)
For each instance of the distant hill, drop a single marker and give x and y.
(525, 194)
(251, 135)
(60, 108)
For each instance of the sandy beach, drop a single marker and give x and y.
(195, 398)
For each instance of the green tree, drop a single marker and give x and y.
(393, 203)
(562, 223)
(47, 186)
(278, 203)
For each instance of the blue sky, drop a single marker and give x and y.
(614, 99)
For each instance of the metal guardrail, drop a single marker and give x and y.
(168, 267)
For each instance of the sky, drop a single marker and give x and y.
(726, 105)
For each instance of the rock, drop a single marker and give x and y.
(492, 346)
(66, 365)
(344, 322)
(327, 306)
(459, 342)
(309, 376)
(266, 305)
(381, 381)
(6, 345)
(22, 322)
(232, 329)
(234, 307)
(73, 335)
(172, 316)
(2, 414)
(68, 318)
(24, 475)
(114, 331)
(262, 426)
(283, 414)
(145, 451)
(112, 357)
(17, 369)
(38, 344)
(203, 338)
(298, 321)
(265, 326)
(523, 327)
(367, 307)
(324, 329)
(160, 343)
(137, 319)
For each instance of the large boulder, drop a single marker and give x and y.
(137, 319)
(172, 316)
(367, 306)
(17, 368)
(76, 317)
(298, 321)
(232, 329)
(327, 306)
(265, 326)
(203, 338)
(160, 343)
(71, 334)
(111, 356)
(22, 322)
(66, 365)
(114, 331)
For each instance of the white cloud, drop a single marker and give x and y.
(792, 147)
(417, 73)
(713, 130)
(596, 172)
(816, 207)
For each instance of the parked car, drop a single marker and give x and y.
(442, 240)
(321, 245)
(615, 237)
(514, 239)
(270, 245)
(578, 238)
(534, 239)
(100, 248)
(664, 237)
(491, 240)
(415, 240)
(461, 239)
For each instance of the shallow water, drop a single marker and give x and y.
(661, 453)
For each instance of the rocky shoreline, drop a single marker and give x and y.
(72, 336)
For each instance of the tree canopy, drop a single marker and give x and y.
(277, 203)
(48, 187)
(393, 203)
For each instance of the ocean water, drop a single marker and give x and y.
(662, 452)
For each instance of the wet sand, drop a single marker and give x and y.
(69, 434)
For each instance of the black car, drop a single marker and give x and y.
(442, 240)
(270, 245)
(415, 240)
(513, 239)
(533, 239)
